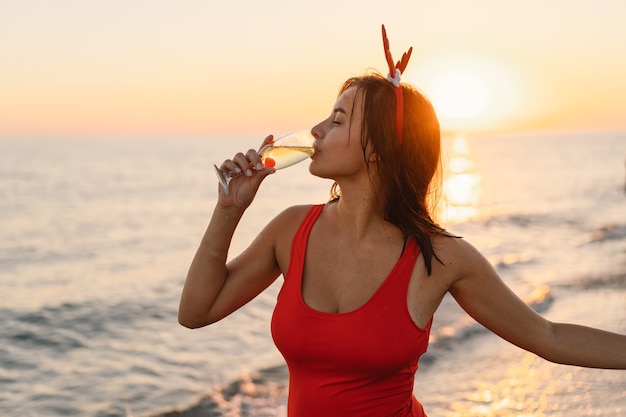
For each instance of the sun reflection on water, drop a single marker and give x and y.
(461, 189)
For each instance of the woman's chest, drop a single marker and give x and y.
(341, 279)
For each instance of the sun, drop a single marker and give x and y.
(468, 92)
(459, 94)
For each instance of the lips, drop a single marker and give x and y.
(316, 150)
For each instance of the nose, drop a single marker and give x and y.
(316, 130)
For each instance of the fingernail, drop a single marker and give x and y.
(248, 173)
(238, 170)
(259, 166)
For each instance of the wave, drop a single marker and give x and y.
(70, 325)
(523, 219)
(607, 233)
(592, 282)
(511, 259)
(258, 394)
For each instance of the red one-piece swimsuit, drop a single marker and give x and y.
(355, 364)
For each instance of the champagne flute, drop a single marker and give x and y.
(281, 153)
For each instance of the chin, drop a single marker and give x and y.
(313, 170)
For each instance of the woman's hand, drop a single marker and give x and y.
(247, 172)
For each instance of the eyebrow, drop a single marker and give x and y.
(339, 110)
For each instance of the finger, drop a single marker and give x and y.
(231, 167)
(260, 175)
(267, 141)
(243, 163)
(255, 160)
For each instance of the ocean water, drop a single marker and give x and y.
(97, 236)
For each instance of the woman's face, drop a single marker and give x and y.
(338, 151)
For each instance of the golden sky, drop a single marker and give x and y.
(203, 67)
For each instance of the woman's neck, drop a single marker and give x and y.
(358, 214)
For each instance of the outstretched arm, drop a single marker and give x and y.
(482, 294)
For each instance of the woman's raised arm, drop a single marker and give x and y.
(214, 289)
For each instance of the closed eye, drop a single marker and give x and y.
(338, 113)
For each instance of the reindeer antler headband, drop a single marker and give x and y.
(394, 77)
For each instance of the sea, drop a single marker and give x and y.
(97, 235)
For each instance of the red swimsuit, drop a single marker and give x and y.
(359, 363)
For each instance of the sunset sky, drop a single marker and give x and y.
(205, 67)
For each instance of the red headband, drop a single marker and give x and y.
(394, 77)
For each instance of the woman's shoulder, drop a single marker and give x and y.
(453, 247)
(282, 229)
(292, 216)
(456, 256)
(298, 212)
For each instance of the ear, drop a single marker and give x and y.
(373, 158)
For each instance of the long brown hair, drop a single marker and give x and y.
(409, 173)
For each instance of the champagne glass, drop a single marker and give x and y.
(281, 153)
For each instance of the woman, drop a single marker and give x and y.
(365, 273)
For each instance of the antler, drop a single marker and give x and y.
(388, 53)
(401, 64)
(394, 77)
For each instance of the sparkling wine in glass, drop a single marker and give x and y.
(281, 153)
